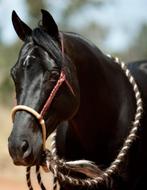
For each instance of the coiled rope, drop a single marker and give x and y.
(56, 165)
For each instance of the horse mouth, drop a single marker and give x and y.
(32, 156)
(21, 163)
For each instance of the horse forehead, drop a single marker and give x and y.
(28, 48)
(32, 53)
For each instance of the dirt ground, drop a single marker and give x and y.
(7, 184)
(12, 177)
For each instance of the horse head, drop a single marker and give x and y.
(36, 72)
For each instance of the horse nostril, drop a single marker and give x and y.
(24, 146)
(25, 149)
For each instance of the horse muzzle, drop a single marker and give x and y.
(24, 148)
(20, 151)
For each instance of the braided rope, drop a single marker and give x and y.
(28, 178)
(39, 179)
(54, 164)
(122, 154)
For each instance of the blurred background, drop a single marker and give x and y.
(117, 27)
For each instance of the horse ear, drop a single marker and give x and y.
(49, 25)
(20, 27)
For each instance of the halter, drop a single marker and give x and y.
(56, 165)
(39, 116)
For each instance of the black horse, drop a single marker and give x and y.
(92, 111)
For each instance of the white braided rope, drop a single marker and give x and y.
(120, 157)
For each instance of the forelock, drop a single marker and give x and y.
(42, 39)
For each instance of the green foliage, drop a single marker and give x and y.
(140, 44)
(34, 9)
(6, 89)
(76, 5)
(138, 48)
(8, 56)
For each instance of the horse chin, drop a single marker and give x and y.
(32, 160)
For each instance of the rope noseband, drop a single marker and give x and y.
(56, 165)
(36, 115)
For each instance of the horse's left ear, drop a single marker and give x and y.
(49, 25)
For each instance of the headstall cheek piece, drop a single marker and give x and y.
(56, 165)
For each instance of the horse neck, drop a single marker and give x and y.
(107, 101)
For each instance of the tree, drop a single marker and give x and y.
(138, 48)
(34, 10)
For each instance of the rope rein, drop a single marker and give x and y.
(106, 174)
(56, 165)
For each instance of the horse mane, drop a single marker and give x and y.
(42, 38)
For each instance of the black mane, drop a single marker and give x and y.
(42, 39)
